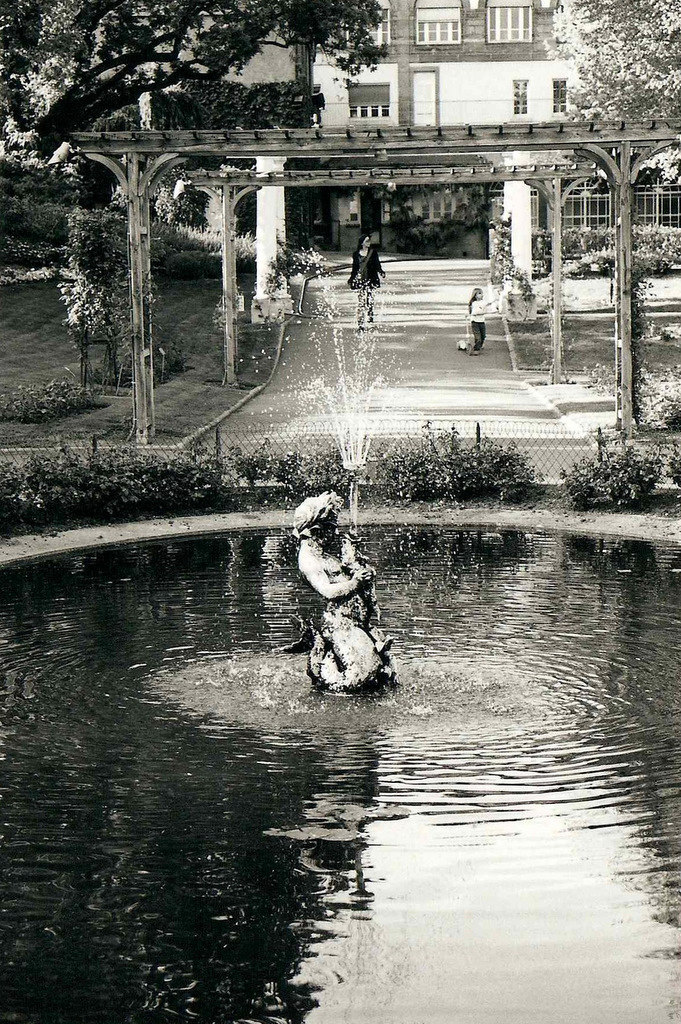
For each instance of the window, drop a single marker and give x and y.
(520, 97)
(585, 208)
(534, 209)
(559, 96)
(436, 25)
(381, 34)
(659, 204)
(369, 100)
(509, 24)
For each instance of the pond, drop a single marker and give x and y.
(187, 832)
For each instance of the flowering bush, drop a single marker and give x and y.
(622, 477)
(674, 464)
(290, 261)
(21, 275)
(36, 403)
(660, 398)
(591, 251)
(31, 252)
(438, 466)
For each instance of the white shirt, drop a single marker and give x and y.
(477, 314)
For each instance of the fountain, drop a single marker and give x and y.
(348, 395)
(346, 653)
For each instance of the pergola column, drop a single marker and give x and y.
(269, 302)
(518, 204)
(623, 286)
(557, 273)
(139, 255)
(229, 374)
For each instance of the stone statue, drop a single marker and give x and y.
(347, 654)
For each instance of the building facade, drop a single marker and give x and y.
(448, 62)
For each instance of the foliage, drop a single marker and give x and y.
(503, 267)
(592, 250)
(186, 210)
(673, 467)
(94, 286)
(414, 235)
(289, 262)
(20, 275)
(244, 253)
(437, 465)
(622, 476)
(660, 398)
(36, 403)
(192, 265)
(32, 254)
(302, 470)
(69, 62)
(230, 104)
(200, 252)
(108, 485)
(626, 57)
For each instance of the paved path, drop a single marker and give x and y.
(420, 316)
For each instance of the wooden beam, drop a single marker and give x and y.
(229, 373)
(623, 276)
(313, 143)
(557, 271)
(421, 175)
(136, 260)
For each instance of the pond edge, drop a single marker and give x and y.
(629, 526)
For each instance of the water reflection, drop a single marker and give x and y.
(436, 855)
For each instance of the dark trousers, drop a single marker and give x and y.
(365, 306)
(479, 335)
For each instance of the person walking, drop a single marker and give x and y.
(365, 277)
(476, 318)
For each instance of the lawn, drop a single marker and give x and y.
(35, 348)
(589, 341)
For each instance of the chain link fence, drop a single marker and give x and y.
(548, 447)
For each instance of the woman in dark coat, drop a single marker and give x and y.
(365, 276)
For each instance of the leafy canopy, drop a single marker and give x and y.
(68, 62)
(626, 56)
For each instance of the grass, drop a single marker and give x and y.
(35, 348)
(588, 341)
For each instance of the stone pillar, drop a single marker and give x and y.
(518, 203)
(269, 303)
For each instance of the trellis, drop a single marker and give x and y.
(406, 155)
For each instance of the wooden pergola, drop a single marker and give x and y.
(564, 154)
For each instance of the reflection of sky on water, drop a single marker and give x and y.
(223, 851)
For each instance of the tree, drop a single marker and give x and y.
(94, 287)
(68, 62)
(625, 55)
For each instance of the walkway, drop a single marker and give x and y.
(420, 314)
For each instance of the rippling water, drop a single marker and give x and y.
(187, 832)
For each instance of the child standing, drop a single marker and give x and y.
(476, 318)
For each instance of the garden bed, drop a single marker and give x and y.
(37, 349)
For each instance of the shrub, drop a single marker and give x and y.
(592, 250)
(438, 466)
(660, 398)
(297, 472)
(36, 403)
(31, 252)
(673, 467)
(622, 477)
(108, 485)
(192, 265)
(244, 251)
